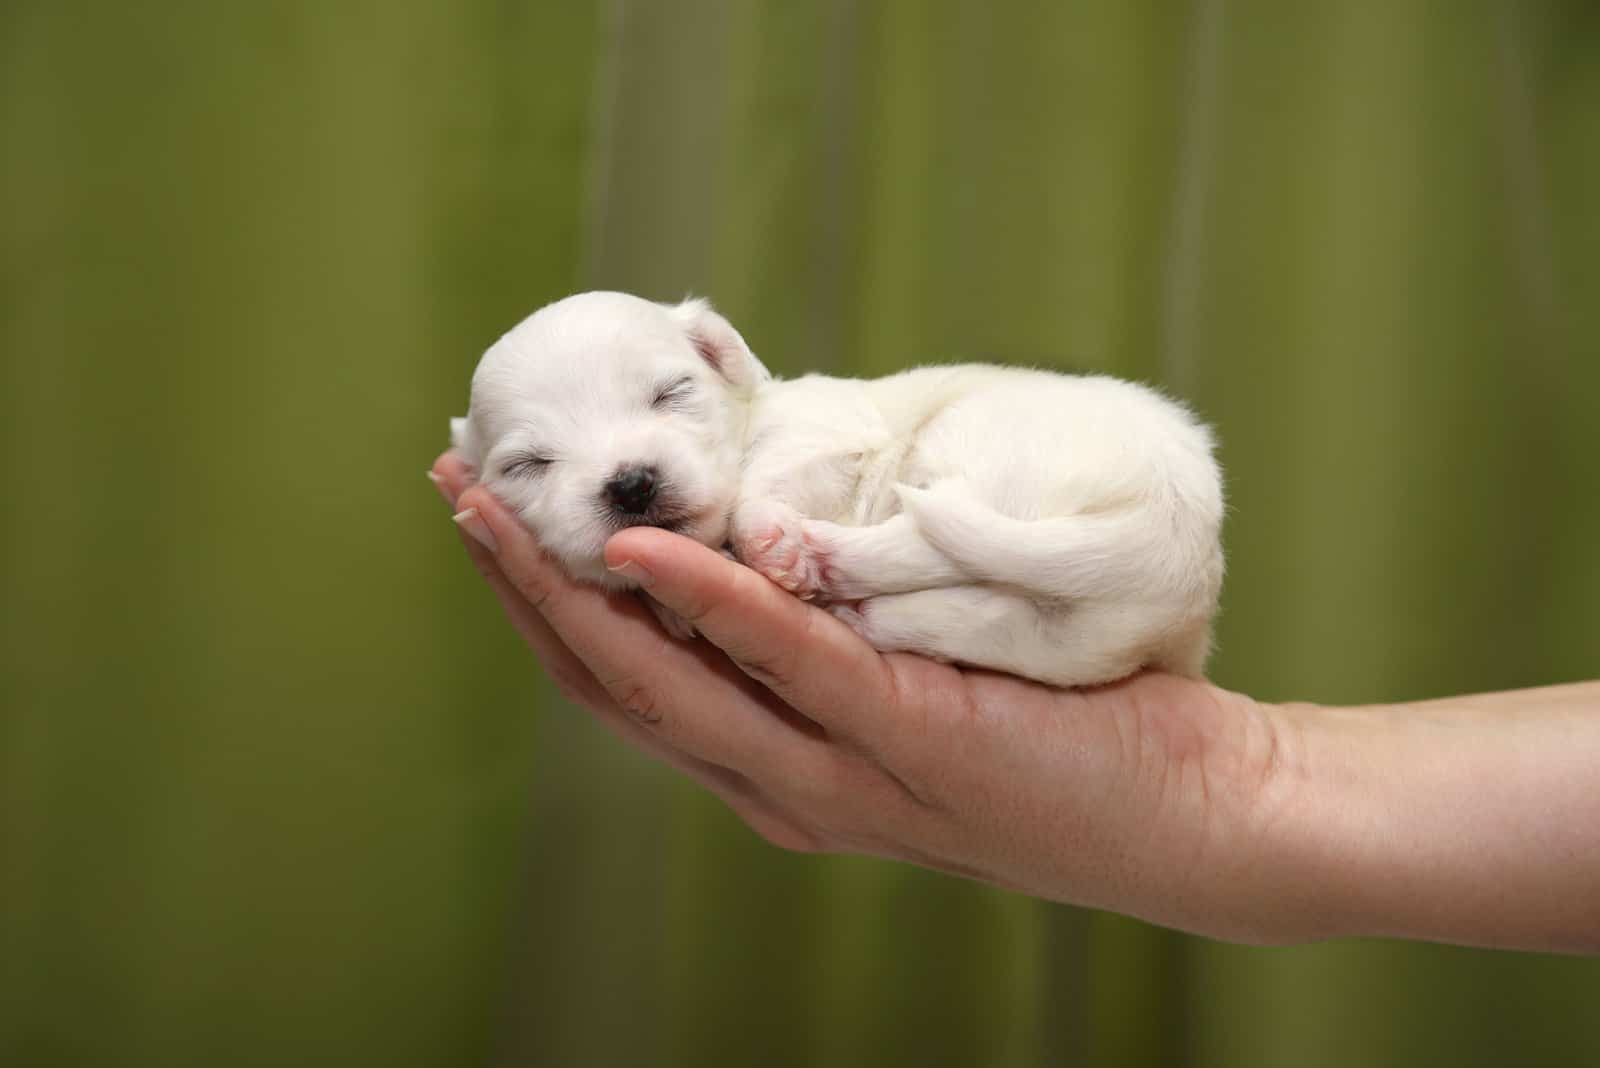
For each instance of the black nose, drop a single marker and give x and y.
(632, 489)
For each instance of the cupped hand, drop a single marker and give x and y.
(1147, 796)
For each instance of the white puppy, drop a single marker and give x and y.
(1057, 527)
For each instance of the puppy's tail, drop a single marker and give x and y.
(1102, 554)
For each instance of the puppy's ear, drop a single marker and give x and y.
(720, 345)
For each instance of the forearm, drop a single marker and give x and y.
(1470, 819)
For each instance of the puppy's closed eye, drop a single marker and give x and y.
(673, 394)
(524, 465)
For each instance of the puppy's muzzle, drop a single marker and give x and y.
(632, 489)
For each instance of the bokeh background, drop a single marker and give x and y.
(278, 787)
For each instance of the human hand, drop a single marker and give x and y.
(1160, 797)
(1139, 797)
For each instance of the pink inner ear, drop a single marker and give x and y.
(707, 351)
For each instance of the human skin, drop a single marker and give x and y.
(1473, 820)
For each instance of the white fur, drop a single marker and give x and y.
(1058, 527)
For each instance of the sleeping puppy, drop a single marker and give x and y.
(1057, 527)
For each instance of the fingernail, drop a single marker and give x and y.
(632, 569)
(471, 522)
(438, 484)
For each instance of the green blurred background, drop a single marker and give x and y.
(277, 785)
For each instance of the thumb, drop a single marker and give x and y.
(815, 663)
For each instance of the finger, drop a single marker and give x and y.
(805, 656)
(577, 683)
(684, 693)
(451, 475)
(569, 674)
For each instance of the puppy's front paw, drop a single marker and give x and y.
(772, 538)
(675, 624)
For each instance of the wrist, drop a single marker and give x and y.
(1469, 820)
(1327, 846)
(1284, 845)
(1246, 822)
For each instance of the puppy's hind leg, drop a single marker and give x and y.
(988, 628)
(818, 560)
(887, 557)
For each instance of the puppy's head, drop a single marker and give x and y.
(605, 411)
